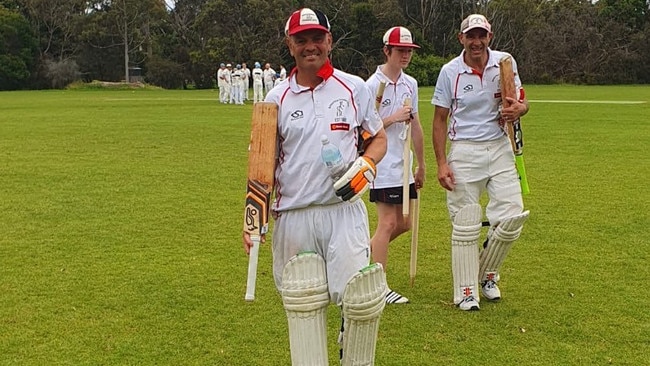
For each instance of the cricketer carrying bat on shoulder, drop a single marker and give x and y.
(469, 112)
(321, 239)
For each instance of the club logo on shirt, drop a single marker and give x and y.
(468, 88)
(339, 126)
(297, 115)
(341, 106)
(387, 102)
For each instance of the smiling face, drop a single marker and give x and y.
(310, 49)
(475, 42)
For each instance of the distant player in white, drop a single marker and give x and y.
(227, 75)
(269, 77)
(258, 82)
(222, 84)
(283, 72)
(245, 81)
(235, 92)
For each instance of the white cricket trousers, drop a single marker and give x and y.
(258, 93)
(338, 232)
(485, 166)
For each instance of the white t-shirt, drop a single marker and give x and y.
(269, 74)
(236, 76)
(390, 168)
(257, 75)
(335, 108)
(227, 75)
(221, 77)
(473, 99)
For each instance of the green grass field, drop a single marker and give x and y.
(121, 216)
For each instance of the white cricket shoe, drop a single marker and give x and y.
(393, 297)
(490, 290)
(469, 303)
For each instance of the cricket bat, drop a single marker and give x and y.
(415, 225)
(261, 174)
(380, 94)
(406, 156)
(507, 79)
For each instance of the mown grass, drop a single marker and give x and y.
(121, 213)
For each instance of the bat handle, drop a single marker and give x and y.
(252, 268)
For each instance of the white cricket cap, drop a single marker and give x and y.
(475, 21)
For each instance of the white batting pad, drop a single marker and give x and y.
(305, 297)
(499, 243)
(464, 252)
(363, 302)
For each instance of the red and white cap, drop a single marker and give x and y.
(304, 19)
(399, 37)
(475, 21)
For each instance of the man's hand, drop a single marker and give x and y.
(248, 242)
(419, 177)
(356, 180)
(446, 177)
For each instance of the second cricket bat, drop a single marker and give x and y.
(261, 171)
(406, 173)
(507, 79)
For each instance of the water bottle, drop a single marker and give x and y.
(331, 156)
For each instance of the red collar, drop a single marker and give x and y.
(324, 73)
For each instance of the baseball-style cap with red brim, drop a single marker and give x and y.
(475, 21)
(399, 37)
(305, 19)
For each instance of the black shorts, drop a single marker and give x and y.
(392, 195)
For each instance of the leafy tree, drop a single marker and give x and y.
(17, 50)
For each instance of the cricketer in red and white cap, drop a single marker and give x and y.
(321, 239)
(468, 112)
(386, 191)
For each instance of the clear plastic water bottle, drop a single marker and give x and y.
(331, 156)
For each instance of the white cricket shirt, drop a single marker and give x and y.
(257, 75)
(473, 98)
(390, 168)
(335, 108)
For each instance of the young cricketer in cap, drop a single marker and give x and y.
(468, 112)
(321, 239)
(386, 191)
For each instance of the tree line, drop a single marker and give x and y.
(176, 44)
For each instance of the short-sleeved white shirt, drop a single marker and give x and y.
(257, 75)
(269, 74)
(335, 108)
(227, 74)
(473, 99)
(390, 168)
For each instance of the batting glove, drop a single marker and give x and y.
(354, 183)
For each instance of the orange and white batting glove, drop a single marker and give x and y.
(356, 181)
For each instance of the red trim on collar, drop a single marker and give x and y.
(326, 71)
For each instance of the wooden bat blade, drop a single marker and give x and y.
(508, 89)
(380, 94)
(415, 226)
(406, 173)
(261, 174)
